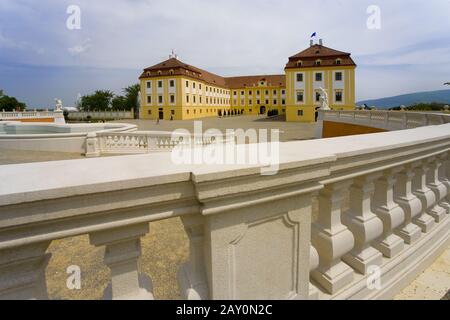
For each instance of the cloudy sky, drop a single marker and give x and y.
(40, 58)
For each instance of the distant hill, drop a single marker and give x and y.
(442, 96)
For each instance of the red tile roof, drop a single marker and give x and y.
(327, 56)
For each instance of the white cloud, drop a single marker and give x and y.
(80, 48)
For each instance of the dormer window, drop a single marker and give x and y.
(299, 63)
(171, 72)
(318, 62)
(338, 61)
(159, 72)
(149, 73)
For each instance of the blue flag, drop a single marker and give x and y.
(313, 35)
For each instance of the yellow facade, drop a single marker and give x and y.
(305, 110)
(181, 98)
(177, 91)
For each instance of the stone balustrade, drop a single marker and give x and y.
(55, 116)
(383, 212)
(100, 115)
(138, 142)
(382, 119)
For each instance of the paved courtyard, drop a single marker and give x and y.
(289, 131)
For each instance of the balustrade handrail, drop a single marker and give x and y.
(386, 119)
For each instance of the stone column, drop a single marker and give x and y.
(364, 224)
(390, 213)
(332, 239)
(440, 209)
(123, 249)
(410, 204)
(22, 272)
(92, 145)
(425, 195)
(192, 275)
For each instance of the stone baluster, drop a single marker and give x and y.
(364, 224)
(192, 275)
(332, 239)
(444, 176)
(433, 183)
(410, 204)
(22, 272)
(389, 212)
(440, 191)
(425, 195)
(313, 264)
(123, 249)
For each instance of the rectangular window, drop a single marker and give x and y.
(338, 96)
(300, 113)
(267, 92)
(149, 112)
(172, 98)
(200, 86)
(172, 112)
(149, 84)
(257, 92)
(193, 85)
(250, 101)
(267, 101)
(160, 99)
(187, 84)
(274, 92)
(338, 76)
(258, 102)
(193, 99)
(160, 84)
(200, 98)
(242, 93)
(235, 93)
(172, 83)
(299, 96)
(283, 91)
(187, 98)
(275, 101)
(317, 96)
(283, 102)
(318, 76)
(149, 99)
(299, 77)
(250, 93)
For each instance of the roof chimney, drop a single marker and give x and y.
(320, 42)
(311, 42)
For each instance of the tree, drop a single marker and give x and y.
(10, 103)
(100, 100)
(119, 103)
(131, 96)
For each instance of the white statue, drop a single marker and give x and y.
(58, 105)
(324, 99)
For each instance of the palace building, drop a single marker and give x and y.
(175, 90)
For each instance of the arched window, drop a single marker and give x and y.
(159, 72)
(318, 62)
(299, 63)
(171, 72)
